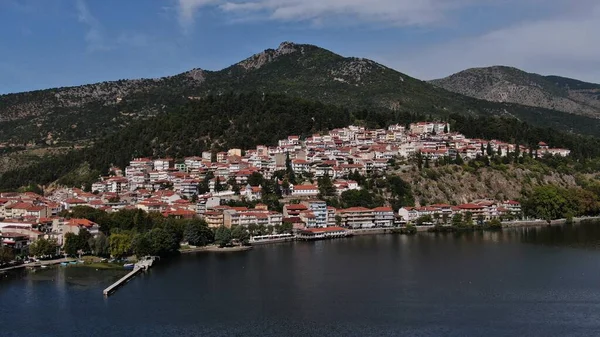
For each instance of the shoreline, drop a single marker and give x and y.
(541, 223)
(215, 249)
(353, 232)
(37, 264)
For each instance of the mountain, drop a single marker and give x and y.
(506, 84)
(83, 114)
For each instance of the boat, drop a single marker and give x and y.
(64, 263)
(73, 262)
(128, 266)
(44, 266)
(273, 238)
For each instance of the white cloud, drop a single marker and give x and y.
(187, 10)
(94, 35)
(394, 12)
(98, 40)
(568, 45)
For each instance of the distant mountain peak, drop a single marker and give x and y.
(257, 61)
(508, 84)
(196, 74)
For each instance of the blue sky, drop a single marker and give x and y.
(53, 43)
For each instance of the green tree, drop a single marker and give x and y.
(83, 239)
(457, 219)
(120, 244)
(218, 186)
(100, 245)
(197, 233)
(326, 187)
(468, 219)
(141, 245)
(286, 227)
(494, 224)
(256, 179)
(241, 234)
(223, 236)
(419, 159)
(71, 245)
(6, 254)
(43, 247)
(424, 219)
(548, 202)
(489, 150)
(291, 176)
(164, 241)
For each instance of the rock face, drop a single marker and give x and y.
(256, 61)
(506, 84)
(453, 184)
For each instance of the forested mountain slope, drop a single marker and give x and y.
(90, 112)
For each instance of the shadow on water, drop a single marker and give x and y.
(80, 277)
(584, 235)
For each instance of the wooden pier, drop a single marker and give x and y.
(141, 265)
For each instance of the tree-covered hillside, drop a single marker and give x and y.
(246, 120)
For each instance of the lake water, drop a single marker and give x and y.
(522, 282)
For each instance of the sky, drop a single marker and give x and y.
(56, 43)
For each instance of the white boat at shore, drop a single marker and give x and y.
(272, 238)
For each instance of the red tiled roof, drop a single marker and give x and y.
(75, 201)
(295, 207)
(81, 223)
(325, 229)
(305, 187)
(356, 209)
(470, 206)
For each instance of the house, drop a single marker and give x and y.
(293, 210)
(17, 210)
(73, 202)
(152, 206)
(252, 192)
(357, 217)
(38, 212)
(214, 219)
(18, 242)
(322, 233)
(75, 225)
(304, 190)
(383, 216)
(179, 214)
(408, 213)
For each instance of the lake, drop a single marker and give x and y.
(519, 282)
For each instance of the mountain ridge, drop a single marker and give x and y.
(82, 114)
(509, 84)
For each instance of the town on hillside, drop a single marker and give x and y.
(204, 186)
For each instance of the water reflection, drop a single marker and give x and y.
(584, 235)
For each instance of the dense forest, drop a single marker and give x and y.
(246, 120)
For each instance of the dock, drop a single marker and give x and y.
(141, 265)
